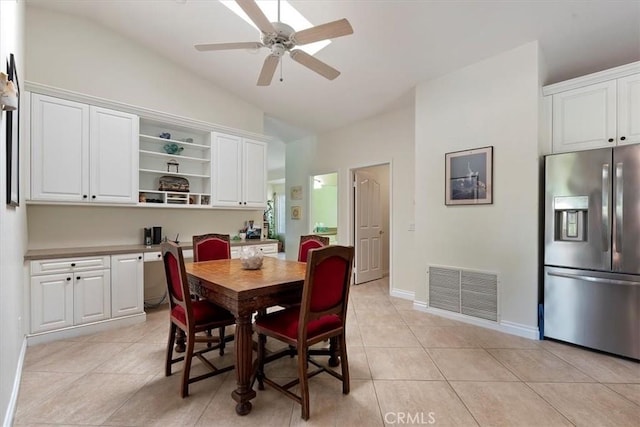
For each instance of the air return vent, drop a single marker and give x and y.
(463, 291)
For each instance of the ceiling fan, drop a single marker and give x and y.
(280, 38)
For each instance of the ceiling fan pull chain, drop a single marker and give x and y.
(281, 65)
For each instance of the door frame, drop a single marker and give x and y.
(352, 212)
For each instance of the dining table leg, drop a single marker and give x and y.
(244, 356)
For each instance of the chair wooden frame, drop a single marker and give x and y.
(301, 344)
(203, 238)
(320, 241)
(188, 326)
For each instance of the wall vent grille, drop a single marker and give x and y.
(463, 291)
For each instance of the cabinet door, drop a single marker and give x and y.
(59, 150)
(91, 296)
(127, 284)
(585, 118)
(629, 110)
(51, 302)
(114, 156)
(254, 174)
(226, 173)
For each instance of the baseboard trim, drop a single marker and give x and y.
(399, 293)
(13, 401)
(502, 326)
(90, 328)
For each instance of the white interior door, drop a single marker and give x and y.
(368, 228)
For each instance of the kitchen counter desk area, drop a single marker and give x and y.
(242, 292)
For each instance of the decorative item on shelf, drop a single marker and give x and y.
(188, 140)
(142, 198)
(251, 257)
(172, 148)
(165, 135)
(173, 163)
(204, 200)
(173, 183)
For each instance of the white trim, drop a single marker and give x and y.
(13, 400)
(90, 328)
(511, 328)
(589, 79)
(420, 305)
(399, 293)
(144, 113)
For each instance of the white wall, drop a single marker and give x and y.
(13, 230)
(73, 53)
(492, 103)
(387, 138)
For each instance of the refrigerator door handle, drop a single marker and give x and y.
(618, 207)
(593, 279)
(605, 207)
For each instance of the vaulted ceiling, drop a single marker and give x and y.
(395, 45)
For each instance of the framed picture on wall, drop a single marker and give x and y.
(13, 140)
(296, 212)
(296, 192)
(469, 177)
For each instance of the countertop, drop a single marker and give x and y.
(35, 254)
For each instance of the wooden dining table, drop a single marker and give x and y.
(243, 292)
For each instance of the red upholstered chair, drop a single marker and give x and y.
(208, 247)
(309, 242)
(320, 316)
(191, 317)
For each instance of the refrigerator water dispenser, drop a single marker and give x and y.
(571, 218)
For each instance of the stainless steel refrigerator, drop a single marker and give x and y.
(592, 249)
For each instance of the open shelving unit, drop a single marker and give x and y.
(193, 164)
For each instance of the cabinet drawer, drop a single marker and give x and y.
(269, 249)
(65, 265)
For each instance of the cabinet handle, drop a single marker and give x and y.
(610, 139)
(245, 203)
(159, 255)
(77, 277)
(239, 203)
(73, 264)
(84, 196)
(140, 257)
(93, 197)
(68, 279)
(622, 138)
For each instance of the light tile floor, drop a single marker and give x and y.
(407, 367)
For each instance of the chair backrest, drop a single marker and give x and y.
(208, 247)
(309, 242)
(177, 282)
(326, 285)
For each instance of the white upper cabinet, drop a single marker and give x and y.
(596, 111)
(59, 149)
(629, 110)
(239, 171)
(82, 153)
(585, 118)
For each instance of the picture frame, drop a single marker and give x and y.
(13, 140)
(296, 192)
(296, 212)
(469, 177)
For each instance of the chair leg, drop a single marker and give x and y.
(188, 355)
(209, 335)
(345, 365)
(333, 352)
(262, 340)
(222, 342)
(172, 338)
(304, 380)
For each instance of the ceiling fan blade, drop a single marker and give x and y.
(268, 70)
(314, 64)
(254, 13)
(330, 30)
(228, 46)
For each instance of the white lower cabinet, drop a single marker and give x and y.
(268, 249)
(127, 284)
(69, 292)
